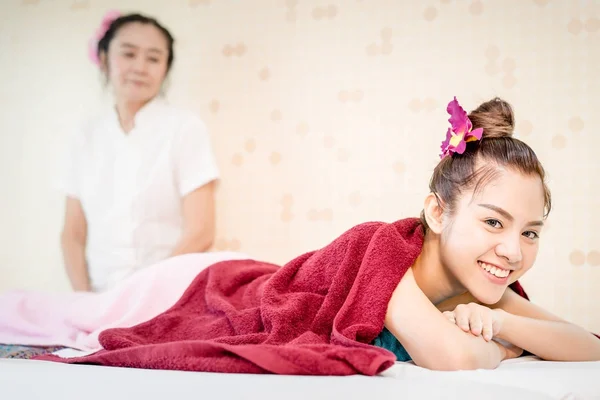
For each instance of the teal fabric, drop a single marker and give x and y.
(389, 342)
(18, 351)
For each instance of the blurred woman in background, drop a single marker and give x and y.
(141, 176)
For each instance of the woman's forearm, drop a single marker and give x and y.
(193, 242)
(75, 263)
(550, 340)
(484, 355)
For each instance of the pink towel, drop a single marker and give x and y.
(76, 319)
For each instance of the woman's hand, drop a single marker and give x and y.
(477, 319)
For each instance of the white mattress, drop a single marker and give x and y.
(527, 378)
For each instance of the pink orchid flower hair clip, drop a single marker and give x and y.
(107, 20)
(460, 131)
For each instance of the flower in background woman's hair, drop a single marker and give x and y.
(108, 19)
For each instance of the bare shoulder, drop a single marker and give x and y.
(407, 292)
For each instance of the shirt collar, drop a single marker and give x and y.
(149, 111)
(145, 115)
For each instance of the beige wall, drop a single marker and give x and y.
(324, 114)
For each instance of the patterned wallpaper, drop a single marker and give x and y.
(323, 114)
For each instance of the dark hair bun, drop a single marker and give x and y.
(496, 117)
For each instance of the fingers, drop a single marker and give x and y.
(476, 323)
(461, 315)
(488, 326)
(449, 316)
(473, 318)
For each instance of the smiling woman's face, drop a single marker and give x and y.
(493, 237)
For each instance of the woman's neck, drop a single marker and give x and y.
(126, 110)
(436, 282)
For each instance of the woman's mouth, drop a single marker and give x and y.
(495, 273)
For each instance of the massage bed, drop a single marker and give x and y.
(148, 295)
(524, 378)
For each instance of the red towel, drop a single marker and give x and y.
(314, 316)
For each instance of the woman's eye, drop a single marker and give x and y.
(154, 60)
(531, 235)
(128, 55)
(494, 223)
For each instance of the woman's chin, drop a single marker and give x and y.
(137, 95)
(487, 295)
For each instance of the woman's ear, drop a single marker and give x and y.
(434, 212)
(103, 62)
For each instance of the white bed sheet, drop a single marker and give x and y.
(527, 378)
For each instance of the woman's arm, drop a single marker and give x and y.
(539, 332)
(198, 221)
(430, 339)
(196, 172)
(73, 241)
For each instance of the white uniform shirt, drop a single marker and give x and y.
(131, 186)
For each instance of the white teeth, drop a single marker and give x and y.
(499, 272)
